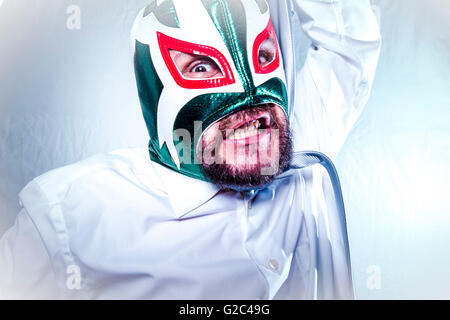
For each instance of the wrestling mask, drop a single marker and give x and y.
(229, 34)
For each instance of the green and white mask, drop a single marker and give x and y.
(228, 32)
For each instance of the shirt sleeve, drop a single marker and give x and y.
(335, 82)
(25, 267)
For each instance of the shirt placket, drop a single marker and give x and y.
(266, 254)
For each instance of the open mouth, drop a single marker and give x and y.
(250, 128)
(243, 130)
(247, 139)
(249, 125)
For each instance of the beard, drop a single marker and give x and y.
(248, 175)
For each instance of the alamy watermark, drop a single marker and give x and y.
(373, 281)
(74, 19)
(73, 281)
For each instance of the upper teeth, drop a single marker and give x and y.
(248, 130)
(255, 123)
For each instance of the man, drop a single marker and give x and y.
(215, 208)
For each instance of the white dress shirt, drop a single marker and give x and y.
(121, 226)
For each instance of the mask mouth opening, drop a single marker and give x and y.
(244, 127)
(258, 116)
(247, 149)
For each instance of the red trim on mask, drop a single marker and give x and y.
(275, 63)
(167, 43)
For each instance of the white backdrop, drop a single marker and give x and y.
(67, 92)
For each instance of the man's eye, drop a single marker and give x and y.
(265, 57)
(267, 51)
(193, 66)
(202, 68)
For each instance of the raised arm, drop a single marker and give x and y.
(334, 84)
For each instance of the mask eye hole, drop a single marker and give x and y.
(267, 51)
(194, 66)
(266, 57)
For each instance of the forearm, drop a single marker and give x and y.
(346, 27)
(336, 81)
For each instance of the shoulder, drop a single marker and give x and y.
(125, 164)
(113, 183)
(95, 207)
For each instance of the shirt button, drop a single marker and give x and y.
(273, 265)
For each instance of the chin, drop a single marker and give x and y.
(248, 149)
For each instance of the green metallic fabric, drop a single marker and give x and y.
(165, 13)
(230, 20)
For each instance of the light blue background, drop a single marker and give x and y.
(68, 94)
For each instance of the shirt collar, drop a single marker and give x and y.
(185, 193)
